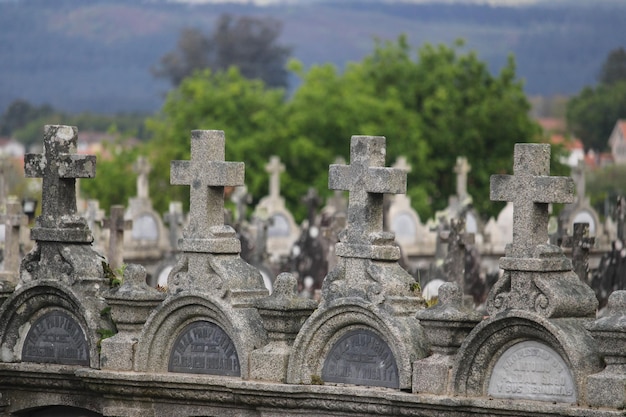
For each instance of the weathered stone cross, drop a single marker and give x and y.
(367, 180)
(462, 168)
(578, 175)
(207, 173)
(274, 168)
(581, 243)
(312, 201)
(116, 225)
(531, 189)
(174, 219)
(142, 168)
(59, 166)
(13, 219)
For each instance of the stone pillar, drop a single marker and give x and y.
(446, 325)
(116, 225)
(608, 388)
(131, 303)
(283, 314)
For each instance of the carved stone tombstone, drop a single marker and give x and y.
(282, 230)
(412, 236)
(147, 240)
(534, 346)
(116, 224)
(14, 219)
(55, 314)
(207, 324)
(363, 332)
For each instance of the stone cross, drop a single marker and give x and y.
(4, 168)
(312, 201)
(274, 168)
(531, 189)
(59, 166)
(462, 168)
(94, 214)
(116, 225)
(207, 173)
(620, 214)
(458, 242)
(142, 168)
(402, 164)
(174, 219)
(241, 197)
(13, 220)
(581, 243)
(367, 180)
(578, 175)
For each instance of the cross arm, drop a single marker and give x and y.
(180, 172)
(340, 177)
(382, 180)
(554, 189)
(34, 165)
(226, 174)
(77, 166)
(502, 188)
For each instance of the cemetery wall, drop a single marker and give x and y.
(217, 343)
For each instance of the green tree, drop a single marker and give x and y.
(592, 114)
(432, 109)
(614, 68)
(115, 181)
(249, 43)
(251, 115)
(432, 106)
(19, 114)
(605, 183)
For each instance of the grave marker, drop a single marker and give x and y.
(13, 220)
(533, 371)
(116, 225)
(56, 337)
(204, 348)
(367, 180)
(174, 218)
(207, 174)
(581, 243)
(59, 166)
(531, 189)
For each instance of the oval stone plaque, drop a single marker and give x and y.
(361, 357)
(204, 348)
(145, 227)
(533, 371)
(55, 337)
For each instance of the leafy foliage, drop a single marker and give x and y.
(592, 114)
(605, 184)
(248, 43)
(432, 109)
(250, 115)
(614, 68)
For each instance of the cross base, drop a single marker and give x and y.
(374, 252)
(546, 258)
(381, 247)
(223, 239)
(44, 234)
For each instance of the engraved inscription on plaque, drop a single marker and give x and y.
(534, 371)
(361, 357)
(204, 348)
(55, 337)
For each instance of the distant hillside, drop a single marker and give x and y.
(96, 55)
